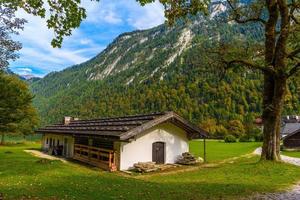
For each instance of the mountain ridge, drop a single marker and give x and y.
(158, 69)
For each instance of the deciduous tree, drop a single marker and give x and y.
(9, 24)
(16, 112)
(277, 56)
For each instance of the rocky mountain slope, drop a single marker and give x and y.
(163, 68)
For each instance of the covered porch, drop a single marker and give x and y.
(96, 151)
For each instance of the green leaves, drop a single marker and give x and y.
(16, 111)
(65, 15)
(62, 15)
(175, 9)
(9, 25)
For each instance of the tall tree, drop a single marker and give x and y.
(277, 57)
(9, 24)
(16, 112)
(280, 49)
(280, 20)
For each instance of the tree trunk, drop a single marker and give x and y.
(274, 94)
(2, 139)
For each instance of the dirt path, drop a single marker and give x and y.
(43, 155)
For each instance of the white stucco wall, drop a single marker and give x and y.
(140, 150)
(61, 138)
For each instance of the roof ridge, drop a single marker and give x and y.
(123, 128)
(122, 117)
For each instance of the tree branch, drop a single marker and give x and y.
(294, 7)
(249, 65)
(294, 70)
(295, 19)
(294, 53)
(238, 19)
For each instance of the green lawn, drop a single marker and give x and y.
(295, 154)
(23, 177)
(22, 139)
(219, 150)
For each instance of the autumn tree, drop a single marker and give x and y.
(17, 115)
(236, 128)
(277, 56)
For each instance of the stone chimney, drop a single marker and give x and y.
(67, 120)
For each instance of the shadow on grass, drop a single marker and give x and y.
(111, 187)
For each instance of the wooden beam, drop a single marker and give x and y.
(204, 150)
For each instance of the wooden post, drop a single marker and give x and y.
(204, 152)
(109, 162)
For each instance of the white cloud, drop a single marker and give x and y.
(85, 41)
(148, 16)
(24, 70)
(105, 20)
(139, 17)
(102, 12)
(37, 50)
(112, 18)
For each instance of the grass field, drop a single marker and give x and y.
(219, 150)
(22, 176)
(295, 154)
(21, 139)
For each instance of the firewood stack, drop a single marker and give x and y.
(187, 159)
(146, 166)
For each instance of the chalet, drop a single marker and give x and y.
(119, 142)
(290, 133)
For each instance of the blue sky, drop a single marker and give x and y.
(106, 20)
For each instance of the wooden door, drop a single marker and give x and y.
(158, 152)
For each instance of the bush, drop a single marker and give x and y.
(229, 139)
(236, 128)
(244, 138)
(221, 131)
(258, 137)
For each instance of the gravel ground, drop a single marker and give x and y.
(293, 194)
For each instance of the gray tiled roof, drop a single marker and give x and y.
(122, 128)
(289, 128)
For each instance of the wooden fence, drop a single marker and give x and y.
(95, 156)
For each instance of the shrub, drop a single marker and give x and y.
(244, 138)
(258, 137)
(236, 128)
(229, 139)
(221, 131)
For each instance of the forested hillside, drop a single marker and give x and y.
(164, 68)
